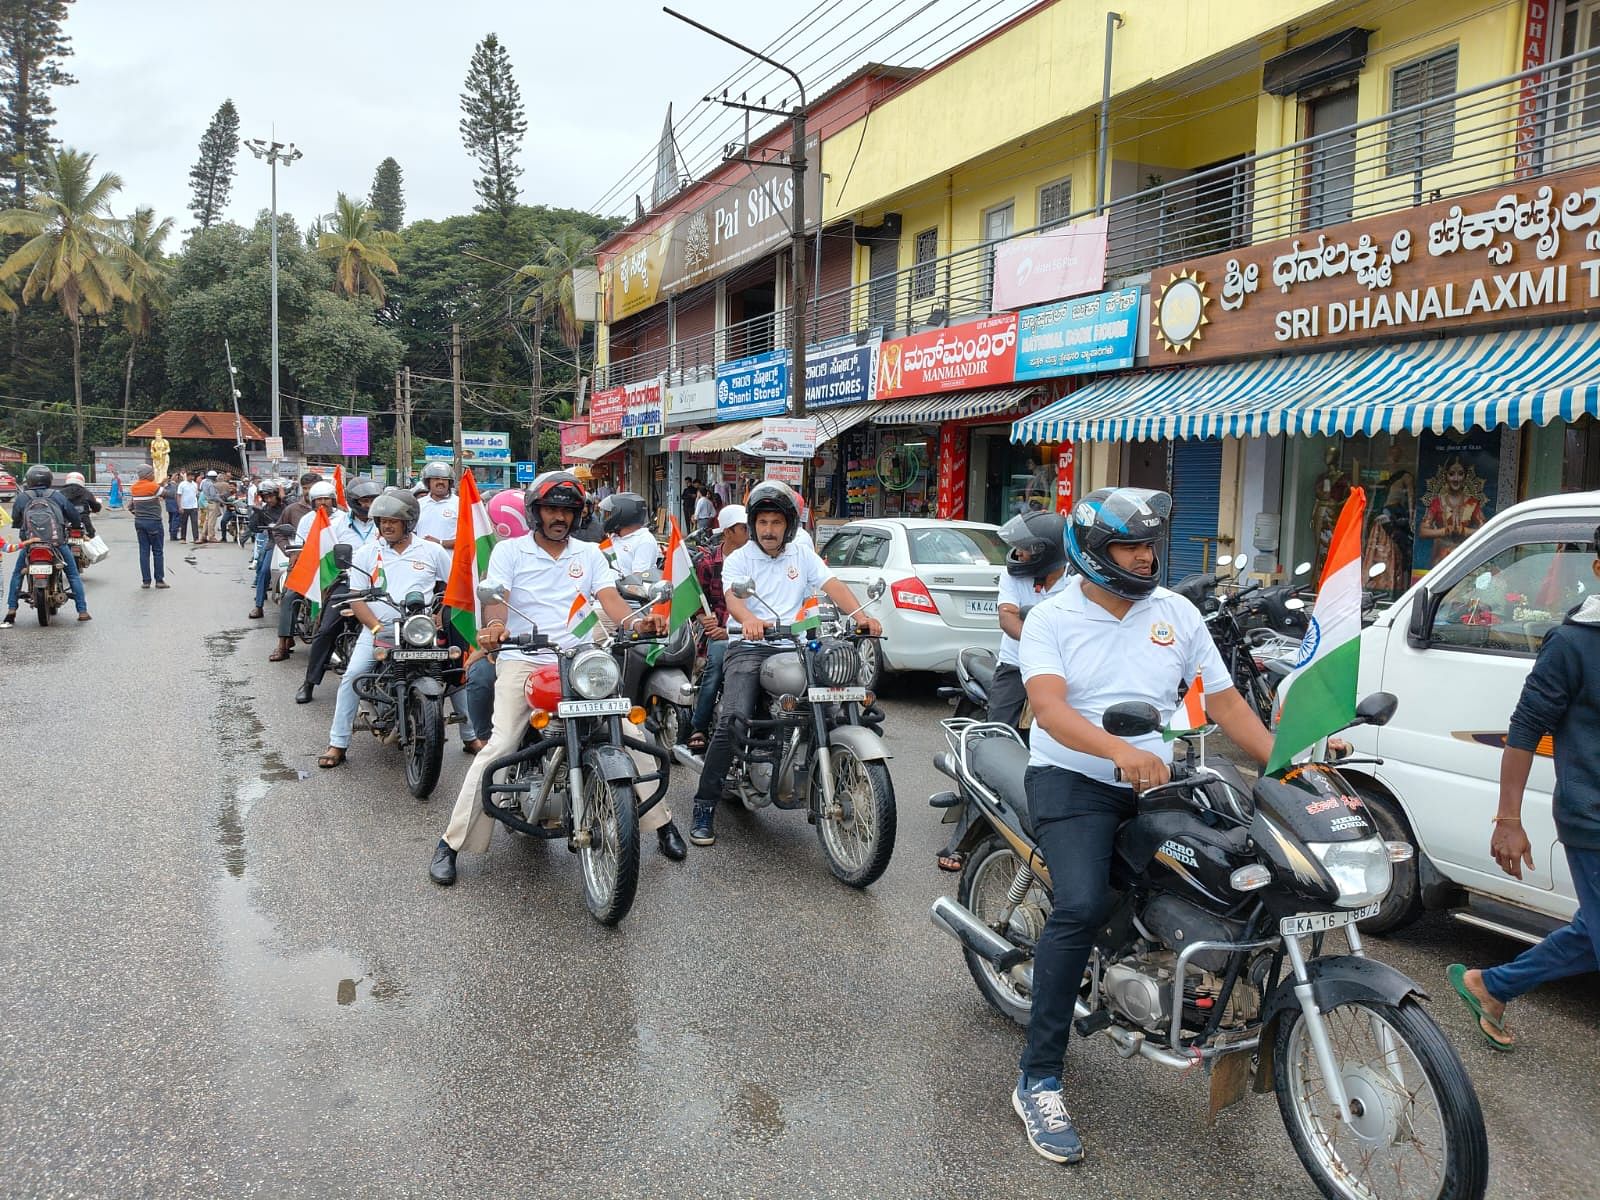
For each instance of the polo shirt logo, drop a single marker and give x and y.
(1162, 634)
(794, 572)
(575, 571)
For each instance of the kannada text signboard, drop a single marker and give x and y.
(1091, 333)
(973, 355)
(757, 386)
(606, 410)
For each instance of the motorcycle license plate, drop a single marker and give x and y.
(827, 695)
(983, 608)
(617, 706)
(438, 654)
(39, 570)
(1322, 922)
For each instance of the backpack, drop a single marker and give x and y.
(42, 520)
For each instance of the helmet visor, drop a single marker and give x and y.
(1135, 515)
(1015, 532)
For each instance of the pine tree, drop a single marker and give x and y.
(388, 199)
(212, 176)
(493, 124)
(31, 49)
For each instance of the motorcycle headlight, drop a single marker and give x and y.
(1361, 869)
(838, 664)
(417, 630)
(595, 675)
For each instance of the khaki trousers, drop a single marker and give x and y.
(470, 827)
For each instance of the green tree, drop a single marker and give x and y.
(388, 196)
(32, 48)
(70, 255)
(142, 251)
(492, 124)
(211, 177)
(550, 298)
(358, 249)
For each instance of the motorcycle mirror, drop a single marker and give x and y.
(342, 554)
(1294, 603)
(1131, 718)
(1377, 709)
(1224, 560)
(743, 588)
(876, 588)
(1240, 562)
(660, 592)
(491, 593)
(1303, 569)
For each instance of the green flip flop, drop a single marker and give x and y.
(1456, 973)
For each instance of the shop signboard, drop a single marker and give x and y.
(606, 410)
(951, 500)
(1065, 457)
(757, 386)
(1516, 253)
(443, 452)
(573, 435)
(791, 473)
(691, 403)
(840, 372)
(274, 449)
(1066, 261)
(526, 471)
(641, 414)
(783, 437)
(478, 446)
(1091, 333)
(972, 355)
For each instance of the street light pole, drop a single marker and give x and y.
(274, 153)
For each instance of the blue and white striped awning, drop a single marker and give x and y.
(959, 406)
(1456, 382)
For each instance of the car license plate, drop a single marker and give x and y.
(438, 654)
(983, 608)
(827, 695)
(39, 570)
(617, 706)
(1322, 922)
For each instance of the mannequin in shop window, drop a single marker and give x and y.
(1328, 497)
(1389, 537)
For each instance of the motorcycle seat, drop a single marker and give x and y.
(979, 664)
(1001, 762)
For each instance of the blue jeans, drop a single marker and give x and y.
(172, 522)
(73, 580)
(475, 702)
(344, 708)
(152, 544)
(263, 569)
(1571, 950)
(710, 681)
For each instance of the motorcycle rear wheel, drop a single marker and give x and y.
(425, 753)
(858, 848)
(610, 861)
(985, 880)
(41, 603)
(1418, 1129)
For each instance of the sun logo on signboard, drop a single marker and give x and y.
(1181, 311)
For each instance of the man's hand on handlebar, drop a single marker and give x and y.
(870, 626)
(754, 630)
(1140, 768)
(653, 623)
(490, 637)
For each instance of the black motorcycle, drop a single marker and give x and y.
(974, 681)
(658, 673)
(45, 582)
(1202, 959)
(813, 743)
(402, 701)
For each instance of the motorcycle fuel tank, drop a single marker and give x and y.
(784, 674)
(1315, 803)
(1179, 852)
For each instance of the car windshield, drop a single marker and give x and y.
(957, 547)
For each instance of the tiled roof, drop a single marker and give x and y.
(183, 423)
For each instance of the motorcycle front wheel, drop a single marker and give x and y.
(1417, 1130)
(610, 816)
(858, 838)
(425, 751)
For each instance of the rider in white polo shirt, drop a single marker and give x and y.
(633, 546)
(1111, 635)
(439, 506)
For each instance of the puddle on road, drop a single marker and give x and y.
(754, 1114)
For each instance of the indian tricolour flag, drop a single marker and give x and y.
(609, 550)
(1321, 695)
(315, 571)
(469, 560)
(582, 618)
(687, 601)
(807, 618)
(1190, 715)
(338, 487)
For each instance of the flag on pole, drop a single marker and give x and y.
(314, 571)
(582, 618)
(608, 550)
(807, 618)
(469, 560)
(1321, 696)
(687, 601)
(338, 487)
(1190, 715)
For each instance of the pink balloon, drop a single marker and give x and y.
(506, 512)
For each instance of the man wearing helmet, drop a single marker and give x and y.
(787, 572)
(315, 493)
(81, 498)
(633, 546)
(439, 507)
(542, 572)
(398, 564)
(354, 531)
(37, 489)
(1110, 635)
(268, 511)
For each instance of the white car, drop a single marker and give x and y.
(1455, 651)
(941, 587)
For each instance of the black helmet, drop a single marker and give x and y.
(553, 489)
(1110, 516)
(38, 476)
(622, 509)
(362, 489)
(1036, 544)
(396, 502)
(772, 496)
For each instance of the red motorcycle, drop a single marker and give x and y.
(46, 588)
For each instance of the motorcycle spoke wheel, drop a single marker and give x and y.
(425, 753)
(610, 860)
(985, 881)
(859, 839)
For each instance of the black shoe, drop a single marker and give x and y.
(303, 696)
(672, 842)
(443, 868)
(703, 832)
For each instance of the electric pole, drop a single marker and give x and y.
(274, 153)
(399, 431)
(411, 454)
(455, 389)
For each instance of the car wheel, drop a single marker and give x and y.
(871, 663)
(1403, 904)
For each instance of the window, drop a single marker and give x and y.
(926, 248)
(872, 550)
(1427, 137)
(837, 552)
(957, 548)
(1055, 203)
(1510, 602)
(997, 226)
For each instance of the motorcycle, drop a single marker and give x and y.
(658, 674)
(78, 544)
(573, 777)
(813, 743)
(278, 573)
(974, 680)
(47, 589)
(1202, 960)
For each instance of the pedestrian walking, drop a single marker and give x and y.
(188, 509)
(1561, 700)
(705, 512)
(211, 508)
(170, 501)
(145, 502)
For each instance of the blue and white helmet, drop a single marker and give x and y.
(1109, 516)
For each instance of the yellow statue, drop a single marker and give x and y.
(160, 455)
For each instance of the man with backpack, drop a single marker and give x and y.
(42, 514)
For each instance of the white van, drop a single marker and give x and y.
(1455, 651)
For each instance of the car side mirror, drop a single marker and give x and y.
(1131, 718)
(343, 552)
(1419, 629)
(491, 593)
(1377, 709)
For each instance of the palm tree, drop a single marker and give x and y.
(358, 249)
(145, 270)
(552, 296)
(70, 255)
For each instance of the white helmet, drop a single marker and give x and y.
(323, 490)
(73, 477)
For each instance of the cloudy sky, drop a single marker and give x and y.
(350, 84)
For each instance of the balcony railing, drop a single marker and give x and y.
(1519, 127)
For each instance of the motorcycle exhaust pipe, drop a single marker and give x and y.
(688, 758)
(957, 920)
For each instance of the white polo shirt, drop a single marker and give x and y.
(418, 568)
(543, 587)
(1161, 643)
(636, 551)
(438, 519)
(783, 583)
(338, 521)
(1021, 591)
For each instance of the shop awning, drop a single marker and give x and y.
(831, 422)
(961, 406)
(680, 440)
(1456, 382)
(724, 437)
(595, 451)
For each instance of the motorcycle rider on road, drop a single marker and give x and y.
(267, 513)
(541, 572)
(439, 506)
(733, 523)
(1110, 635)
(293, 511)
(354, 531)
(787, 572)
(633, 546)
(36, 489)
(78, 494)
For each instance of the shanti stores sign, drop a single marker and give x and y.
(1525, 250)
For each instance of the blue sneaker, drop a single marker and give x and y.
(1044, 1116)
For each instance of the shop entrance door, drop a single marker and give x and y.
(1196, 488)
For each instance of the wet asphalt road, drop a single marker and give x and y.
(225, 973)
